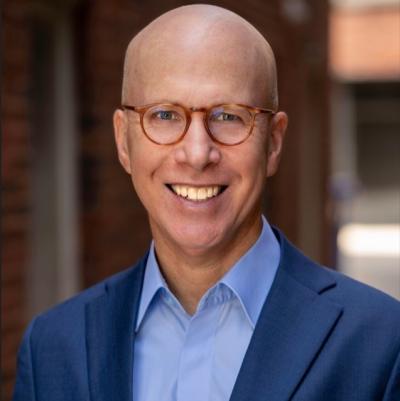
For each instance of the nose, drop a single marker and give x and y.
(197, 149)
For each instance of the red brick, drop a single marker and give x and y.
(15, 105)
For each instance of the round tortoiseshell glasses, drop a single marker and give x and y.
(226, 124)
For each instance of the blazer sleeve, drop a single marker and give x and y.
(392, 392)
(24, 389)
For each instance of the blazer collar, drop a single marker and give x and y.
(293, 326)
(110, 335)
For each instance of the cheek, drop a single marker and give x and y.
(147, 161)
(260, 155)
(142, 172)
(140, 153)
(140, 164)
(251, 162)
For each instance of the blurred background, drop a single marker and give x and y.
(70, 217)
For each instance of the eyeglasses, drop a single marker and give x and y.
(226, 124)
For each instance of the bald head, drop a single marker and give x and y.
(202, 44)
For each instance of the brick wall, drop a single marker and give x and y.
(16, 160)
(114, 225)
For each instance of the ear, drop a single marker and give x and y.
(276, 136)
(121, 139)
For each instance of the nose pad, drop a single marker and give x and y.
(197, 148)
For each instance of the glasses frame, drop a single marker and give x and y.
(141, 110)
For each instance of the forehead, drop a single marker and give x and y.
(219, 64)
(198, 87)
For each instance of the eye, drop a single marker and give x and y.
(166, 115)
(226, 117)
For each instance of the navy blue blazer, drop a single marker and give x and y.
(320, 337)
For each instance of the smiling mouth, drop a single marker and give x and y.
(197, 193)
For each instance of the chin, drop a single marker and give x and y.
(196, 238)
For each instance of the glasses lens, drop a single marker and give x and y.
(229, 124)
(164, 123)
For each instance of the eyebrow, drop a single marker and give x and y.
(206, 105)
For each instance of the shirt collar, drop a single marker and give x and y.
(252, 275)
(153, 281)
(250, 278)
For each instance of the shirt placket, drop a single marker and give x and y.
(195, 364)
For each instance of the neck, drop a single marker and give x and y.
(189, 275)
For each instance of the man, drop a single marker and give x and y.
(223, 307)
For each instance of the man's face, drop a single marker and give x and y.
(197, 164)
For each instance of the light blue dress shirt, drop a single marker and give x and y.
(179, 357)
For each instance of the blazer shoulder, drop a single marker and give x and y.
(359, 300)
(69, 314)
(364, 297)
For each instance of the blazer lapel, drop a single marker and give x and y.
(292, 328)
(110, 336)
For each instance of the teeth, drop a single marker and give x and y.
(192, 193)
(196, 193)
(202, 194)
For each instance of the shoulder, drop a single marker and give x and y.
(367, 329)
(359, 301)
(359, 293)
(365, 304)
(68, 317)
